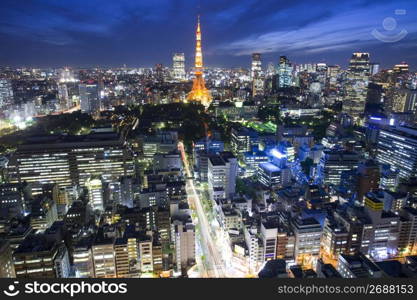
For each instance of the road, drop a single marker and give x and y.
(68, 111)
(213, 256)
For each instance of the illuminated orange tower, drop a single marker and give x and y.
(199, 91)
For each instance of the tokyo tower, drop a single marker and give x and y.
(199, 91)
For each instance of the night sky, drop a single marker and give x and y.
(85, 33)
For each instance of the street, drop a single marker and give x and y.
(212, 255)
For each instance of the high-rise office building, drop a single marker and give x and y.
(389, 179)
(12, 200)
(127, 195)
(95, 193)
(202, 150)
(256, 75)
(395, 100)
(270, 71)
(243, 139)
(368, 178)
(357, 85)
(333, 73)
(145, 253)
(252, 159)
(222, 172)
(104, 256)
(90, 99)
(411, 101)
(64, 100)
(43, 213)
(335, 238)
(183, 234)
(178, 66)
(134, 253)
(358, 266)
(307, 239)
(62, 263)
(83, 258)
(374, 68)
(285, 241)
(380, 236)
(167, 161)
(71, 160)
(397, 147)
(35, 257)
(6, 260)
(66, 75)
(256, 66)
(333, 163)
(350, 221)
(401, 68)
(255, 248)
(284, 73)
(407, 240)
(159, 72)
(359, 64)
(126, 256)
(271, 176)
(269, 234)
(283, 60)
(6, 92)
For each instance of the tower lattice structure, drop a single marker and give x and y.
(199, 91)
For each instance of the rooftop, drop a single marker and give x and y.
(216, 160)
(269, 167)
(36, 243)
(62, 141)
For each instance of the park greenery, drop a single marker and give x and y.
(189, 119)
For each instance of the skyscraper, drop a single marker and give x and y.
(222, 171)
(159, 72)
(359, 64)
(66, 75)
(357, 84)
(199, 91)
(374, 68)
(256, 67)
(63, 96)
(89, 98)
(270, 71)
(256, 74)
(284, 73)
(178, 66)
(6, 92)
(397, 147)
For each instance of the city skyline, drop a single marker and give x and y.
(221, 145)
(46, 34)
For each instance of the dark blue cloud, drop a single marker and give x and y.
(142, 33)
